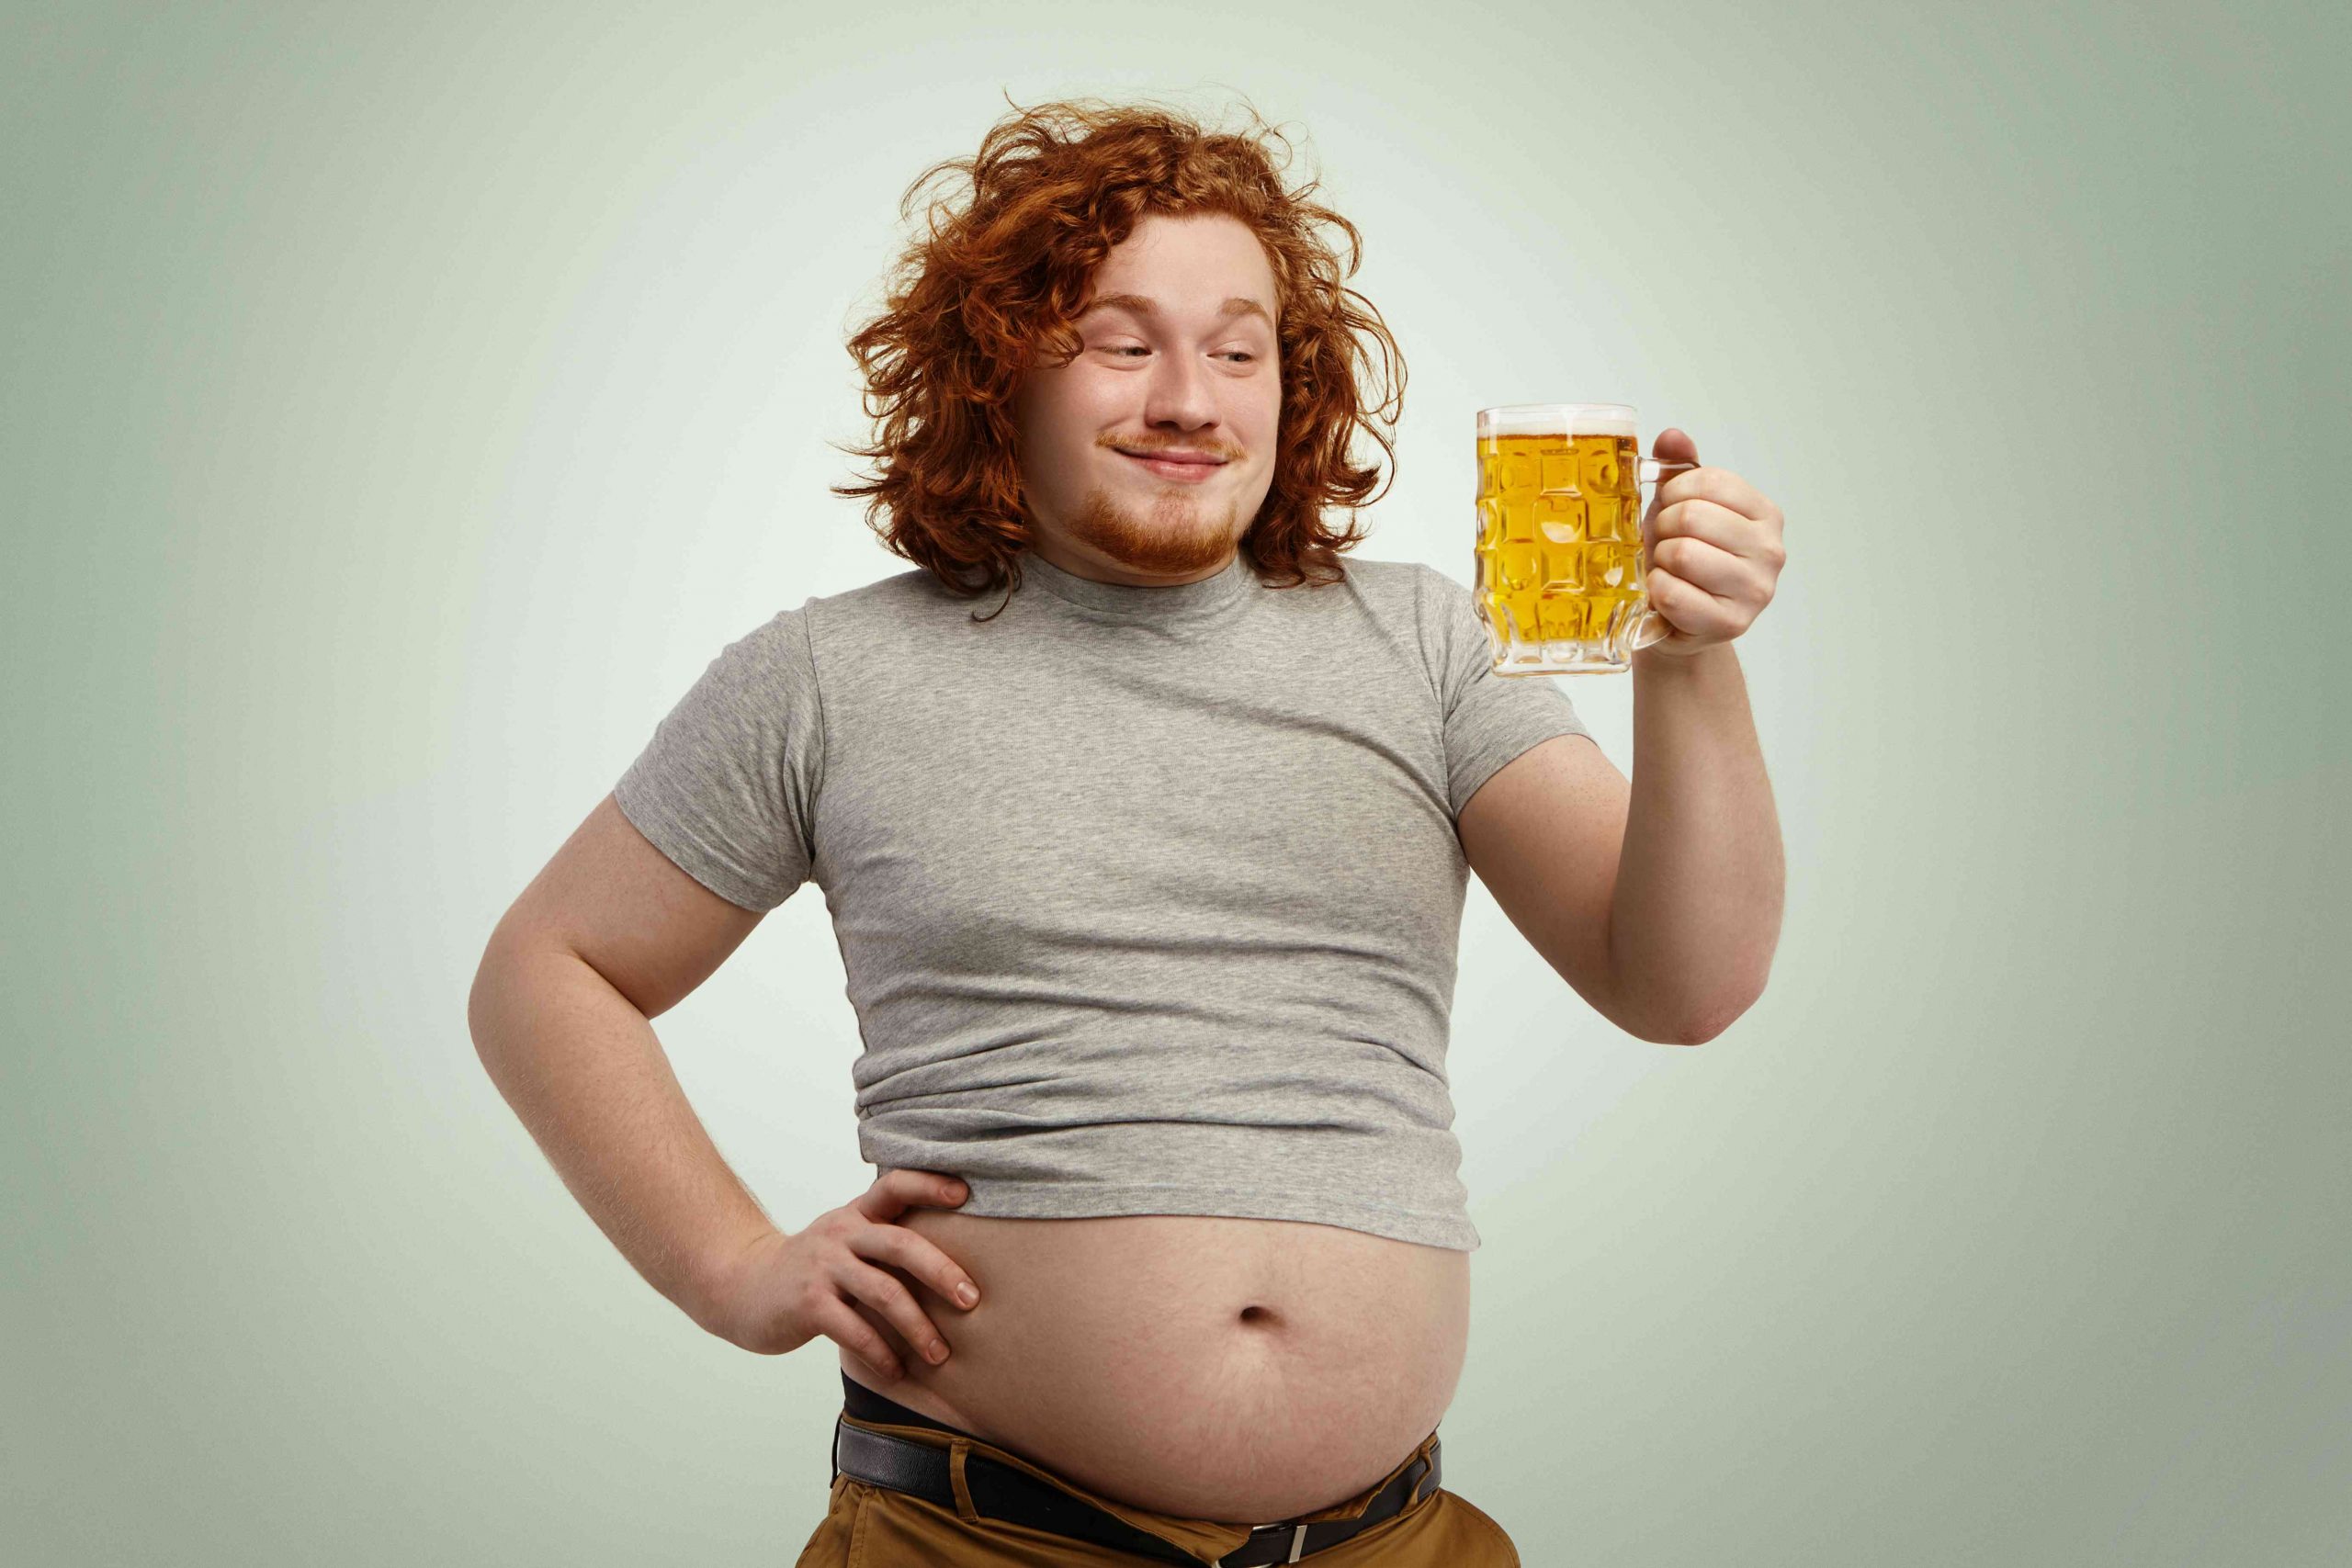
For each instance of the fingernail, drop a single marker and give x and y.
(965, 1295)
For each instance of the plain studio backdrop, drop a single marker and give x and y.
(404, 403)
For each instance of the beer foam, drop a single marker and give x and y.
(1553, 419)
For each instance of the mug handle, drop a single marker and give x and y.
(1653, 626)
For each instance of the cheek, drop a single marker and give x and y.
(1260, 408)
(1052, 400)
(1267, 424)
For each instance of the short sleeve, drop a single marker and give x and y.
(1489, 719)
(726, 787)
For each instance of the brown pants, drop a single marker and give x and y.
(876, 1527)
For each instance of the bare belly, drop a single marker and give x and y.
(1236, 1369)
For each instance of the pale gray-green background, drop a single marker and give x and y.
(403, 404)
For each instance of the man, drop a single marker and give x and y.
(1147, 884)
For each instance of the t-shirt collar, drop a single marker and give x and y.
(1167, 602)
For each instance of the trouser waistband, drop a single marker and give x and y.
(1001, 1492)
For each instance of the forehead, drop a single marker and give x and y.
(1195, 265)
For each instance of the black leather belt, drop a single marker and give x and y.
(1000, 1492)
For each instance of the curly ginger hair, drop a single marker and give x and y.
(1000, 280)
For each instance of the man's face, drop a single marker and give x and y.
(1179, 365)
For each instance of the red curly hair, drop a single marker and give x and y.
(998, 280)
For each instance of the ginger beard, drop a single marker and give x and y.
(1182, 532)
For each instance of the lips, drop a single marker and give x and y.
(1174, 471)
(1174, 458)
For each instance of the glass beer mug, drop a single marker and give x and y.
(1559, 580)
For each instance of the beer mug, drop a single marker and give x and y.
(1559, 580)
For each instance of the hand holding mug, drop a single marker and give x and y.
(1573, 579)
(1713, 548)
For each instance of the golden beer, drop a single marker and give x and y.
(1559, 565)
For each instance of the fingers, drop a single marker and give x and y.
(881, 1290)
(1706, 565)
(896, 1191)
(1743, 533)
(864, 1286)
(840, 1322)
(921, 1259)
(1719, 485)
(1694, 612)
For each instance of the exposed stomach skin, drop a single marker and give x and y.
(1243, 1371)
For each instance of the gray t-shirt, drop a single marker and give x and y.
(1148, 898)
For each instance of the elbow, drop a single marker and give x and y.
(481, 1011)
(1655, 1028)
(490, 1003)
(1694, 1033)
(1697, 1034)
(1697, 1028)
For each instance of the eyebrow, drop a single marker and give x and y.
(1236, 305)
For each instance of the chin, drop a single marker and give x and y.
(1192, 539)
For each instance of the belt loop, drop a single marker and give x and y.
(964, 1509)
(1426, 1463)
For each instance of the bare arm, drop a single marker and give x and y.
(582, 1067)
(1698, 904)
(1658, 900)
(608, 936)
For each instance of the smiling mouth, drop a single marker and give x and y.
(1175, 471)
(1201, 463)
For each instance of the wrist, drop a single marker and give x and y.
(714, 1279)
(1656, 660)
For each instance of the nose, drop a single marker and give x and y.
(1182, 395)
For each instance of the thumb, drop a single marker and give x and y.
(1673, 445)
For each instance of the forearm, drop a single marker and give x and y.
(1696, 913)
(582, 1067)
